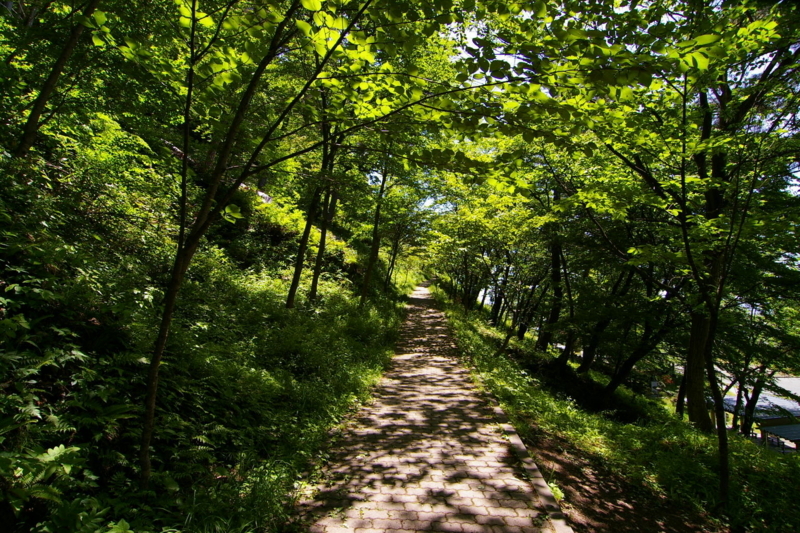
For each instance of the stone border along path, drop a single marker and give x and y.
(430, 453)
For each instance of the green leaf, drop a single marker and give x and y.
(312, 5)
(85, 21)
(303, 26)
(232, 213)
(705, 40)
(100, 18)
(170, 484)
(207, 22)
(540, 9)
(120, 527)
(699, 60)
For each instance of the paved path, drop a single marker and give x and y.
(430, 453)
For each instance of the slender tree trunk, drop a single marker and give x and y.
(515, 314)
(497, 301)
(524, 314)
(649, 341)
(497, 305)
(376, 239)
(569, 344)
(750, 405)
(546, 334)
(301, 252)
(569, 348)
(680, 402)
(535, 307)
(590, 350)
(531, 306)
(500, 301)
(31, 127)
(329, 210)
(170, 300)
(503, 311)
(738, 406)
(392, 261)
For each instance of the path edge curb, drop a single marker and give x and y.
(554, 514)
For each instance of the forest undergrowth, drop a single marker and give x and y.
(659, 454)
(249, 388)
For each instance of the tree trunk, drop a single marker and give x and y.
(569, 348)
(502, 302)
(590, 350)
(569, 344)
(497, 304)
(719, 412)
(183, 257)
(535, 307)
(376, 240)
(695, 372)
(738, 406)
(648, 342)
(515, 314)
(522, 323)
(329, 208)
(31, 127)
(301, 252)
(750, 405)
(392, 262)
(179, 268)
(497, 300)
(680, 401)
(546, 334)
(503, 311)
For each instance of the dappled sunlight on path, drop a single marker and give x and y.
(429, 454)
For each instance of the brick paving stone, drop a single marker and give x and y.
(428, 454)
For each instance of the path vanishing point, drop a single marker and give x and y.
(430, 453)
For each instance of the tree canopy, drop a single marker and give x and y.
(192, 192)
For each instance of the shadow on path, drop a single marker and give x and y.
(427, 454)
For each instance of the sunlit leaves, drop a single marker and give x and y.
(303, 26)
(312, 5)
